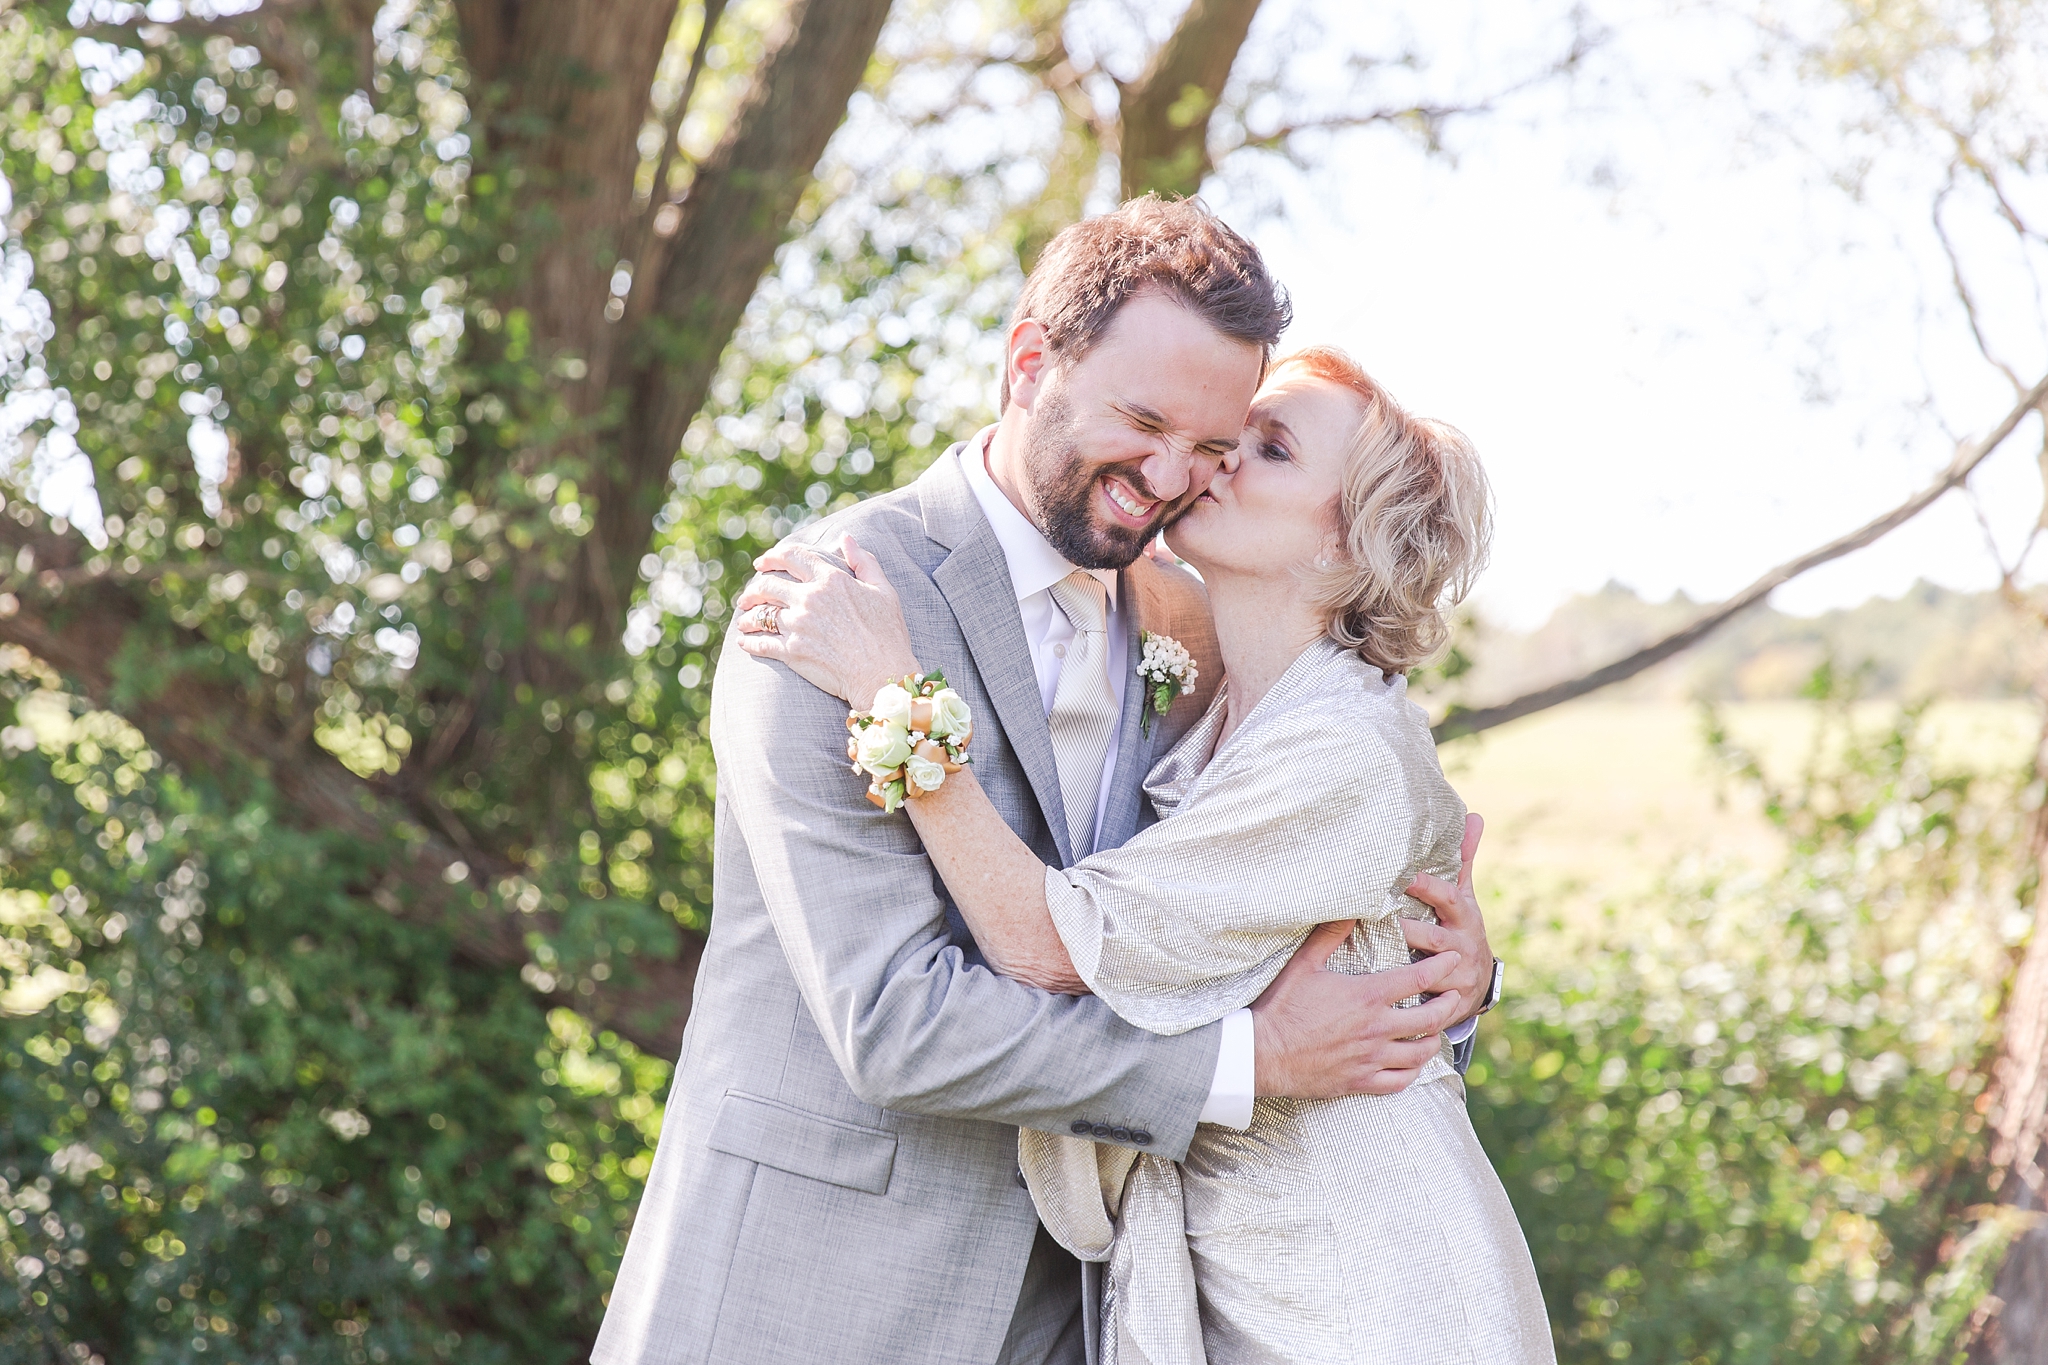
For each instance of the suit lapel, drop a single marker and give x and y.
(975, 580)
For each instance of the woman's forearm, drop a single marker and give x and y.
(997, 881)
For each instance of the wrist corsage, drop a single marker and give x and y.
(1168, 670)
(912, 736)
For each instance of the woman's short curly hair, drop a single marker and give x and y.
(1413, 519)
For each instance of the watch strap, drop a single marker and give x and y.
(1494, 986)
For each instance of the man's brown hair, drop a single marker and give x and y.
(1177, 246)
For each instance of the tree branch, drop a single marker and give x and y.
(672, 127)
(1164, 144)
(1430, 117)
(1964, 294)
(194, 719)
(1967, 459)
(737, 213)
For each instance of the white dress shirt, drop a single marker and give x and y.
(1034, 567)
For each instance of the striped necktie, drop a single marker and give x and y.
(1084, 710)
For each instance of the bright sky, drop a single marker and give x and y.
(1683, 353)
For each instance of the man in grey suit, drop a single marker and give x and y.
(837, 1173)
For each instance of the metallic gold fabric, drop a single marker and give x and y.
(1367, 1229)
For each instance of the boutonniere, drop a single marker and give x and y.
(1168, 670)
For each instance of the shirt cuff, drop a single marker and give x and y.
(1458, 1033)
(1230, 1094)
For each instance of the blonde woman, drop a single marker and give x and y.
(1363, 1229)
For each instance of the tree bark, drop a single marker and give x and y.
(566, 92)
(579, 74)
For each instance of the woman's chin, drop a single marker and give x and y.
(1193, 535)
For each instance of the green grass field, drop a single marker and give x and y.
(1589, 804)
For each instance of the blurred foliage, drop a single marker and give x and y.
(1745, 1128)
(238, 1114)
(246, 1110)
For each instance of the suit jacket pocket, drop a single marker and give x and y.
(802, 1143)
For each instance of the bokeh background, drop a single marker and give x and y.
(392, 396)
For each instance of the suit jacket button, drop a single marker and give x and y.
(1141, 1137)
(1103, 1130)
(1081, 1127)
(1121, 1134)
(1022, 1183)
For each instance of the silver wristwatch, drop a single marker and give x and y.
(1493, 987)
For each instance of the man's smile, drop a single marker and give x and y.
(1127, 506)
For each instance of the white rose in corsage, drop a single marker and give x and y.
(915, 733)
(925, 769)
(881, 748)
(950, 718)
(892, 706)
(1168, 670)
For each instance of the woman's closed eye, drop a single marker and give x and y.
(1275, 451)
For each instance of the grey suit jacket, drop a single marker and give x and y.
(836, 1177)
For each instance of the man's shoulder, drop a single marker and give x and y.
(1176, 604)
(1180, 590)
(894, 517)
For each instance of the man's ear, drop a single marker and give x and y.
(1025, 362)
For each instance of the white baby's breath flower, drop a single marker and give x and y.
(892, 705)
(1166, 660)
(1168, 670)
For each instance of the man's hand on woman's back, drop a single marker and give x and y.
(1318, 1034)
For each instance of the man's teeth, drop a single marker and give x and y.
(1136, 509)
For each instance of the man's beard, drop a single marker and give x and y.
(1063, 488)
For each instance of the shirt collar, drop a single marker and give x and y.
(1034, 564)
